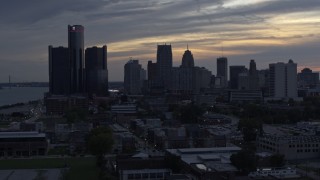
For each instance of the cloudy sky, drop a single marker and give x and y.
(264, 30)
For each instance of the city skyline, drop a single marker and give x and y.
(265, 30)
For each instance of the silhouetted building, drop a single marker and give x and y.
(187, 60)
(222, 70)
(253, 76)
(76, 52)
(182, 80)
(201, 79)
(22, 144)
(164, 65)
(59, 105)
(152, 75)
(283, 80)
(244, 80)
(134, 75)
(59, 83)
(264, 82)
(234, 75)
(188, 79)
(307, 78)
(96, 71)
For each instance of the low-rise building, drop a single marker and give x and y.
(141, 166)
(23, 144)
(292, 147)
(205, 163)
(245, 96)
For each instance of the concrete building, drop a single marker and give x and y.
(76, 55)
(253, 76)
(234, 75)
(307, 78)
(264, 82)
(59, 105)
(244, 80)
(202, 79)
(187, 59)
(164, 65)
(22, 144)
(222, 70)
(59, 73)
(142, 166)
(134, 75)
(292, 147)
(182, 80)
(283, 80)
(242, 96)
(205, 163)
(96, 71)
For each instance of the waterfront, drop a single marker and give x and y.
(15, 95)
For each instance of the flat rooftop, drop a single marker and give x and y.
(21, 135)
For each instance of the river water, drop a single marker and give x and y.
(15, 95)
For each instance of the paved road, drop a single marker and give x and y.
(309, 174)
(30, 174)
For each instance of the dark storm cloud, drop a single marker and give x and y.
(28, 27)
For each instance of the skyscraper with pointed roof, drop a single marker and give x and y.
(187, 59)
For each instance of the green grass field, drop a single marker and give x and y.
(80, 168)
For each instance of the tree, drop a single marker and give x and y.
(250, 128)
(189, 113)
(99, 143)
(76, 115)
(277, 160)
(245, 161)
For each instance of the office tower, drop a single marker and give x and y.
(201, 79)
(96, 71)
(152, 74)
(59, 70)
(252, 68)
(253, 76)
(164, 65)
(234, 75)
(222, 70)
(264, 81)
(187, 60)
(307, 78)
(76, 54)
(134, 75)
(244, 80)
(283, 80)
(182, 80)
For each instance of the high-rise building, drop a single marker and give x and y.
(234, 75)
(76, 54)
(307, 78)
(264, 82)
(283, 80)
(59, 83)
(187, 59)
(244, 80)
(182, 80)
(253, 76)
(164, 65)
(201, 79)
(96, 71)
(222, 70)
(134, 75)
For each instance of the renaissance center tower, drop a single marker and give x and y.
(76, 53)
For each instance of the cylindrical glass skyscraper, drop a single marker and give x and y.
(76, 53)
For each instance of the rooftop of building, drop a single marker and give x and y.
(4, 135)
